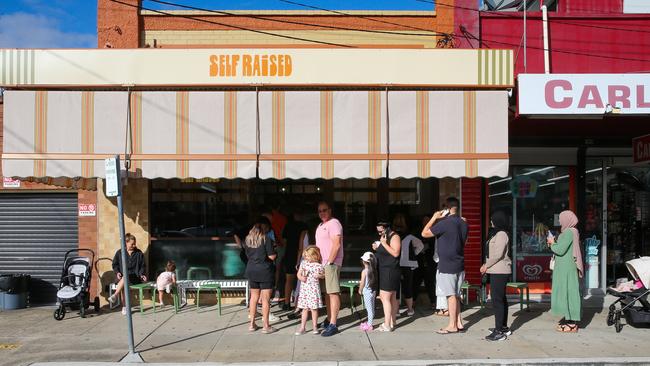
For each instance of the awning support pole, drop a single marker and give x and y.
(257, 132)
(387, 138)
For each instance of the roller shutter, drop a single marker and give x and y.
(36, 229)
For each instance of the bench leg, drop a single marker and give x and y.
(140, 293)
(153, 299)
(521, 299)
(219, 299)
(176, 300)
(198, 296)
(527, 299)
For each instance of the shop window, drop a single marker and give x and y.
(533, 197)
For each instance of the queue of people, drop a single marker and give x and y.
(397, 266)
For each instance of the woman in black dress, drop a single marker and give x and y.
(260, 271)
(388, 249)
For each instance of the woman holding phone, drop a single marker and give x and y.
(388, 249)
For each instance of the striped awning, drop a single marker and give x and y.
(172, 134)
(270, 134)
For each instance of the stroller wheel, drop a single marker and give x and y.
(96, 304)
(59, 313)
(610, 318)
(612, 308)
(617, 323)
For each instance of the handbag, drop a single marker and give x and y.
(551, 265)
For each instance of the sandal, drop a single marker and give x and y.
(269, 330)
(445, 331)
(384, 328)
(440, 312)
(300, 332)
(253, 329)
(568, 328)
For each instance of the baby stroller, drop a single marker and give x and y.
(636, 315)
(74, 287)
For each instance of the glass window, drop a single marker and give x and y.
(533, 196)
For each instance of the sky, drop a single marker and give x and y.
(73, 23)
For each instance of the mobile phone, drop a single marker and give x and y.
(550, 235)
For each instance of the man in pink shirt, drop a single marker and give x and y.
(329, 239)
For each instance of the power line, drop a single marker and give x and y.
(356, 16)
(513, 16)
(221, 12)
(234, 26)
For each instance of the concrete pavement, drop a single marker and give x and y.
(32, 335)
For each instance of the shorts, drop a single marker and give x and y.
(134, 280)
(332, 277)
(389, 278)
(267, 285)
(449, 284)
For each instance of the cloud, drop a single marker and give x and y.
(23, 30)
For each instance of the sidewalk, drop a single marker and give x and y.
(32, 335)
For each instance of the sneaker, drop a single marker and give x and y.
(324, 324)
(410, 312)
(294, 315)
(330, 330)
(123, 310)
(505, 331)
(365, 327)
(168, 288)
(273, 318)
(496, 336)
(286, 307)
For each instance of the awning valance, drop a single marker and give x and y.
(290, 134)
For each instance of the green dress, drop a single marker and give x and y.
(565, 294)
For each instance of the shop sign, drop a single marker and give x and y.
(523, 187)
(252, 67)
(641, 149)
(111, 168)
(584, 93)
(533, 268)
(8, 182)
(87, 209)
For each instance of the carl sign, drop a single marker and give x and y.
(641, 147)
(564, 94)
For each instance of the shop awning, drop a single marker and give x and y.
(291, 134)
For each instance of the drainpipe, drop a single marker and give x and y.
(525, 40)
(545, 29)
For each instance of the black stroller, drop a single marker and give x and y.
(74, 287)
(635, 315)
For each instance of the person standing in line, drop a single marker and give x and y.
(368, 288)
(260, 272)
(410, 249)
(387, 250)
(293, 236)
(329, 239)
(498, 266)
(309, 301)
(450, 231)
(426, 270)
(135, 266)
(568, 269)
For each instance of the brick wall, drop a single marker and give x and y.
(118, 25)
(136, 221)
(88, 232)
(471, 205)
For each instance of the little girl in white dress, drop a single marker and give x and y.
(309, 300)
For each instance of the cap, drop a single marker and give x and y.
(366, 256)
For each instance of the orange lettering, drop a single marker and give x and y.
(287, 65)
(256, 66)
(213, 65)
(274, 66)
(222, 64)
(281, 65)
(235, 60)
(247, 68)
(265, 65)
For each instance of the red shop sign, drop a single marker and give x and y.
(641, 149)
(533, 268)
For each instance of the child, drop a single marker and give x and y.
(310, 272)
(165, 280)
(367, 286)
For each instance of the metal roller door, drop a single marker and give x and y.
(36, 229)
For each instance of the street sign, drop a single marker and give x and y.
(112, 168)
(87, 209)
(641, 149)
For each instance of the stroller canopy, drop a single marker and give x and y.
(640, 269)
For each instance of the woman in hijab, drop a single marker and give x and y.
(499, 266)
(568, 268)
